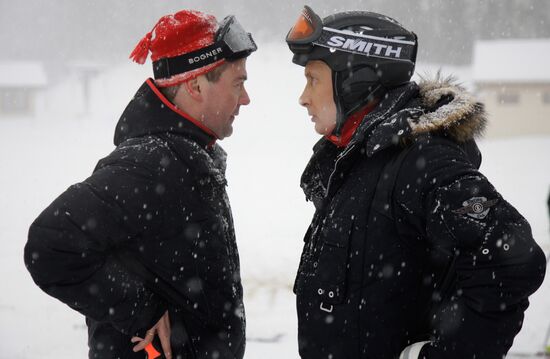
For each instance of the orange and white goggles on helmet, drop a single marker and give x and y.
(309, 31)
(305, 31)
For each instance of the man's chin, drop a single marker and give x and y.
(227, 133)
(321, 130)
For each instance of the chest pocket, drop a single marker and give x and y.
(332, 262)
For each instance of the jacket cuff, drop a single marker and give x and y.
(151, 312)
(412, 351)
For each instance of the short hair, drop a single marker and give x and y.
(170, 92)
(214, 75)
(211, 76)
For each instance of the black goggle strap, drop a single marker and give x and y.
(232, 42)
(367, 45)
(168, 67)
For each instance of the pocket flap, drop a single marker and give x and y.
(333, 261)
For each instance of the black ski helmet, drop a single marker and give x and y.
(367, 52)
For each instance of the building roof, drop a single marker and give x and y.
(517, 60)
(22, 74)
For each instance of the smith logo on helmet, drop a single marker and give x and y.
(394, 49)
(364, 46)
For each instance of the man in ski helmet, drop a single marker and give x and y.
(411, 252)
(145, 247)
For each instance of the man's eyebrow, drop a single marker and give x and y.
(243, 78)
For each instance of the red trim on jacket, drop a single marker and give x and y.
(351, 125)
(181, 112)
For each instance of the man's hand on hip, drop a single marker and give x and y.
(162, 329)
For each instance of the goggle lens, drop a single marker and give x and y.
(302, 29)
(235, 37)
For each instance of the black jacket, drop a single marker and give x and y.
(409, 241)
(150, 230)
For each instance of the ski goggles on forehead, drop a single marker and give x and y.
(230, 42)
(308, 31)
(238, 41)
(305, 31)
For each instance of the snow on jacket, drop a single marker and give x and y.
(412, 253)
(150, 230)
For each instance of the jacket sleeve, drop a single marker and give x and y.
(72, 246)
(491, 261)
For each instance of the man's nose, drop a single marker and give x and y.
(304, 98)
(245, 99)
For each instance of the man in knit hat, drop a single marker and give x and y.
(145, 247)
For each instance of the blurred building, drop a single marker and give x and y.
(20, 85)
(512, 78)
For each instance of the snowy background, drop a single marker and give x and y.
(41, 156)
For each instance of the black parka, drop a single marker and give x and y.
(409, 241)
(150, 230)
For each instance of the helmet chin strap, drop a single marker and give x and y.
(343, 111)
(340, 113)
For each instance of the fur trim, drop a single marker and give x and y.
(460, 116)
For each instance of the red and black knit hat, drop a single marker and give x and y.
(174, 35)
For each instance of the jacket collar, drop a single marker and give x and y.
(379, 126)
(436, 107)
(433, 107)
(328, 161)
(149, 112)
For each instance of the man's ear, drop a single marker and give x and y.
(194, 89)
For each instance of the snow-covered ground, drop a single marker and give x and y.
(40, 157)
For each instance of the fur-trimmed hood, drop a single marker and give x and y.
(438, 106)
(449, 108)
